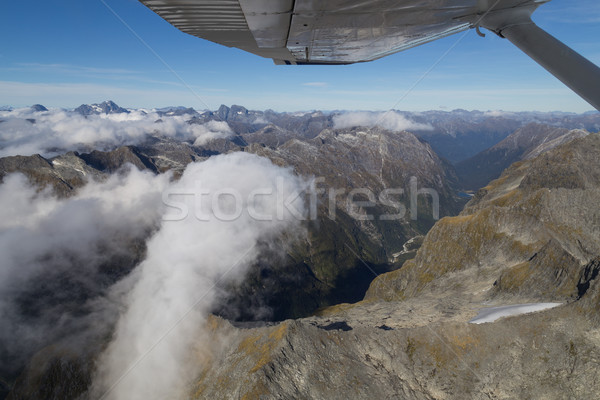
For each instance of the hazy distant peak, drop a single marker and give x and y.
(38, 108)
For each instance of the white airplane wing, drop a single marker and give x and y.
(351, 31)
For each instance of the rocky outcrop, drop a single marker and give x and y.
(111, 161)
(271, 135)
(548, 355)
(38, 108)
(62, 173)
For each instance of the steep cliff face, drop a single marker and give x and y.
(528, 233)
(62, 174)
(375, 160)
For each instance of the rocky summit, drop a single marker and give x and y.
(106, 107)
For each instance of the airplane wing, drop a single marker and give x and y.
(350, 31)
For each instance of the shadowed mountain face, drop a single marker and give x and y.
(524, 143)
(459, 135)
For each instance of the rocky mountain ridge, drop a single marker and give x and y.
(455, 135)
(106, 107)
(529, 236)
(344, 160)
(539, 214)
(525, 143)
(532, 235)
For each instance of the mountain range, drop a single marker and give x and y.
(531, 236)
(455, 135)
(359, 307)
(525, 143)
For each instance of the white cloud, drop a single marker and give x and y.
(166, 309)
(64, 243)
(57, 131)
(315, 84)
(209, 131)
(260, 120)
(48, 239)
(390, 120)
(496, 113)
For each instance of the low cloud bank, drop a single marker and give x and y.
(26, 132)
(389, 120)
(57, 256)
(63, 277)
(159, 341)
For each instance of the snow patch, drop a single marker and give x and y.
(492, 314)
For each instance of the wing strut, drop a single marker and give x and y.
(575, 71)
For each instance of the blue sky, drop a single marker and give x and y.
(67, 52)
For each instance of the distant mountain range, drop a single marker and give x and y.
(455, 135)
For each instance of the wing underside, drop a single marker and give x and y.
(324, 32)
(351, 31)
